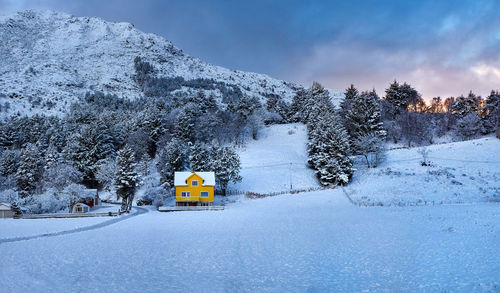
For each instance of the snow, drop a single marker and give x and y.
(10, 228)
(181, 177)
(309, 242)
(276, 160)
(4, 206)
(460, 172)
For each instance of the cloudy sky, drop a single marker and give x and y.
(444, 48)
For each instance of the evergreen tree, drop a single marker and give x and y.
(7, 135)
(275, 104)
(30, 170)
(15, 208)
(199, 158)
(364, 120)
(465, 105)
(126, 177)
(226, 165)
(310, 102)
(9, 162)
(491, 111)
(297, 105)
(52, 157)
(402, 97)
(350, 95)
(87, 148)
(171, 159)
(468, 126)
(185, 123)
(328, 150)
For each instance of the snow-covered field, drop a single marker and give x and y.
(10, 228)
(460, 172)
(276, 160)
(13, 228)
(309, 242)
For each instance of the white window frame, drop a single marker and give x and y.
(185, 193)
(201, 194)
(193, 181)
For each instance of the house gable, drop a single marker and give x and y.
(194, 188)
(205, 178)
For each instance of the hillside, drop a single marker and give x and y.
(277, 161)
(459, 172)
(54, 58)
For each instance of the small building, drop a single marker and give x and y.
(194, 188)
(91, 197)
(80, 208)
(6, 211)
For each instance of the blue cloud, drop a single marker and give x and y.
(436, 45)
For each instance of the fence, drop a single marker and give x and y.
(254, 195)
(76, 215)
(190, 208)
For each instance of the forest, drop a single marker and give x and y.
(119, 145)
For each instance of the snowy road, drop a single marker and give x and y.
(309, 242)
(139, 211)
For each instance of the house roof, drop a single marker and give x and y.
(181, 177)
(7, 205)
(89, 193)
(82, 204)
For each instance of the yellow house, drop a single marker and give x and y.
(194, 188)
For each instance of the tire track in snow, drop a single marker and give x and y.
(140, 211)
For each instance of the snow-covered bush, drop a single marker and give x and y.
(71, 195)
(156, 196)
(9, 196)
(424, 152)
(47, 202)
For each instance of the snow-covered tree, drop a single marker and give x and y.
(254, 124)
(350, 95)
(9, 162)
(491, 112)
(402, 97)
(186, 123)
(328, 149)
(72, 194)
(414, 127)
(170, 159)
(200, 159)
(275, 104)
(15, 208)
(29, 171)
(126, 177)
(468, 126)
(59, 174)
(226, 165)
(372, 147)
(87, 148)
(364, 123)
(465, 105)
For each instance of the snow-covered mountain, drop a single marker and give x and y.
(48, 59)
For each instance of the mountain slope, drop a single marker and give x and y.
(50, 58)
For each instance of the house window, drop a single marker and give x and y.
(204, 194)
(194, 183)
(185, 193)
